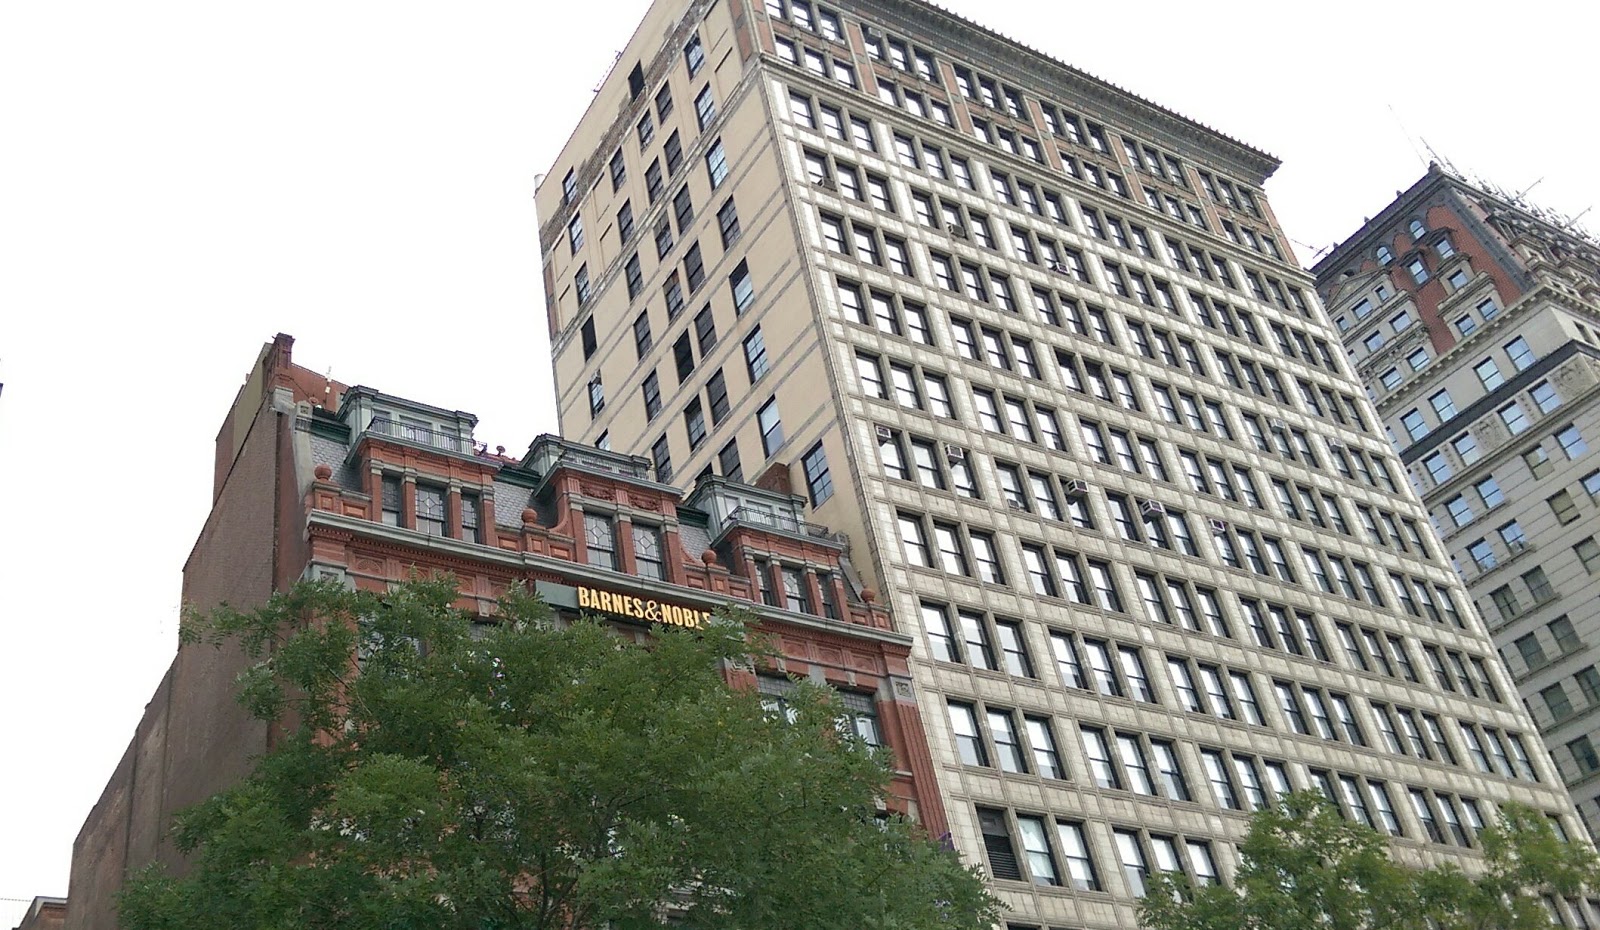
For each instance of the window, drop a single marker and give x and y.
(664, 231)
(1416, 427)
(728, 462)
(580, 284)
(728, 223)
(647, 551)
(1443, 405)
(694, 55)
(755, 355)
(1488, 372)
(661, 456)
(600, 540)
(771, 426)
(717, 393)
(705, 108)
(818, 481)
(1097, 752)
(1556, 702)
(683, 210)
(1521, 355)
(634, 276)
(1438, 467)
(1003, 863)
(673, 150)
(1514, 418)
(694, 268)
(1588, 553)
(1537, 460)
(625, 221)
(694, 421)
(651, 388)
(430, 510)
(1584, 755)
(1545, 397)
(969, 742)
(1562, 505)
(717, 164)
(1571, 442)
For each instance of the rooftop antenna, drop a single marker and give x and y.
(609, 68)
(1444, 163)
(1410, 141)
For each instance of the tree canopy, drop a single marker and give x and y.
(527, 774)
(1303, 865)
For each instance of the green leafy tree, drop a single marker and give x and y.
(1305, 866)
(529, 775)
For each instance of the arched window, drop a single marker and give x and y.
(1418, 230)
(1384, 255)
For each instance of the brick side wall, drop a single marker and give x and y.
(194, 739)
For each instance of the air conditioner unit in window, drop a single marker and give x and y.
(1150, 508)
(885, 434)
(1517, 545)
(1276, 423)
(1060, 268)
(1074, 488)
(1018, 506)
(1219, 526)
(870, 35)
(827, 184)
(1336, 445)
(954, 454)
(960, 232)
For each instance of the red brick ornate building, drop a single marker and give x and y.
(318, 480)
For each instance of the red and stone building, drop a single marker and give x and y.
(1473, 316)
(44, 914)
(318, 480)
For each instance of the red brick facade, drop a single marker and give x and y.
(302, 464)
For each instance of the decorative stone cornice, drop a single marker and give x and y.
(1018, 62)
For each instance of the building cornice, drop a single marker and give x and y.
(1484, 405)
(459, 551)
(999, 53)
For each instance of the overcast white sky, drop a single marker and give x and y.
(180, 181)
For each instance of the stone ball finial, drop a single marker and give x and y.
(323, 472)
(529, 516)
(709, 556)
(868, 595)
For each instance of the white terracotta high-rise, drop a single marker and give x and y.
(1038, 347)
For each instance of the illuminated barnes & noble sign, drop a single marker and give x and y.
(645, 609)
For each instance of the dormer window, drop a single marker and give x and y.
(431, 510)
(600, 539)
(795, 595)
(391, 500)
(647, 551)
(830, 598)
(471, 508)
(764, 582)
